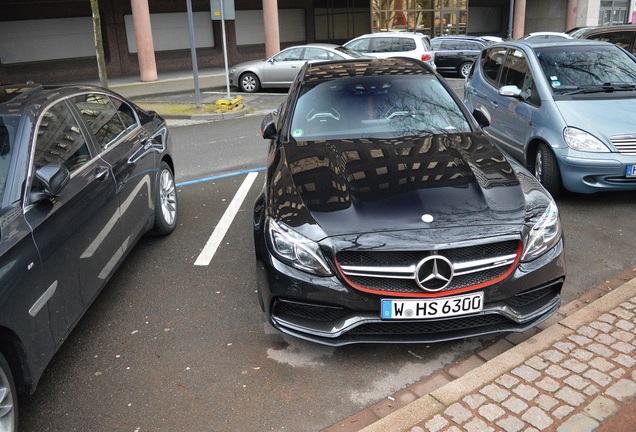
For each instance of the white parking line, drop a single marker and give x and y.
(206, 255)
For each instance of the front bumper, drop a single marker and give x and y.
(595, 172)
(329, 312)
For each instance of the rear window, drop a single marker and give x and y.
(376, 106)
(393, 44)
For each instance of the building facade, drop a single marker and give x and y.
(53, 40)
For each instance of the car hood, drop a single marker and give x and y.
(357, 186)
(600, 117)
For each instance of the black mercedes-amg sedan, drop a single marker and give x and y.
(84, 173)
(388, 216)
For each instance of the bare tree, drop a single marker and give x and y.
(99, 45)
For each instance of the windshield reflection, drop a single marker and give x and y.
(376, 106)
(572, 70)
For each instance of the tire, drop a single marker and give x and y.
(8, 399)
(165, 202)
(249, 83)
(464, 69)
(546, 170)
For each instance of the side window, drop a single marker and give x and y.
(292, 54)
(126, 113)
(514, 69)
(101, 117)
(382, 44)
(361, 45)
(316, 54)
(59, 139)
(622, 39)
(491, 64)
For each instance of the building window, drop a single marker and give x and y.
(613, 12)
(432, 17)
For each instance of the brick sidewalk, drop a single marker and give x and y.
(576, 375)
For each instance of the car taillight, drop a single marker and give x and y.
(426, 57)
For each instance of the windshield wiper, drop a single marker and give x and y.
(603, 88)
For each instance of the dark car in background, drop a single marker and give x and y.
(565, 108)
(84, 174)
(387, 215)
(622, 35)
(456, 54)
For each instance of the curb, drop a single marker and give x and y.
(407, 408)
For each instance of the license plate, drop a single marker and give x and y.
(394, 309)
(631, 171)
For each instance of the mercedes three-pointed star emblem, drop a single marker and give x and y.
(434, 273)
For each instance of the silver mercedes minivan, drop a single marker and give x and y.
(565, 109)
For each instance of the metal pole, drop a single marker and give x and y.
(193, 52)
(227, 73)
(510, 20)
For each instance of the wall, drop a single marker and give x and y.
(545, 15)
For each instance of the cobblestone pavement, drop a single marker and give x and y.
(577, 375)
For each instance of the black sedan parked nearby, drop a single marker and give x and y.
(83, 175)
(388, 216)
(456, 54)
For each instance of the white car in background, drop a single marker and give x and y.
(394, 44)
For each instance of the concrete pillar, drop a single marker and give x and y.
(270, 21)
(570, 16)
(518, 27)
(143, 36)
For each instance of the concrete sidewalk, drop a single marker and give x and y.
(575, 372)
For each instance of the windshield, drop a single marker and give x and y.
(8, 127)
(582, 69)
(385, 106)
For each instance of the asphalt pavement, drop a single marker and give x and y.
(575, 372)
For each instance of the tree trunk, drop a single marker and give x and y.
(99, 45)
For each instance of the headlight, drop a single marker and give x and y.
(545, 233)
(580, 140)
(296, 250)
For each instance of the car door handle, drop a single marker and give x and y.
(494, 103)
(101, 172)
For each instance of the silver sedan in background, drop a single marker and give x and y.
(281, 69)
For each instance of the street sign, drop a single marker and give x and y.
(225, 13)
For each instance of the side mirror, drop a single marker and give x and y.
(482, 116)
(268, 127)
(510, 91)
(51, 179)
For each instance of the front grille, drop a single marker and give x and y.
(395, 272)
(625, 144)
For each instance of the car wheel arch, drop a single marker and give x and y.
(553, 182)
(15, 354)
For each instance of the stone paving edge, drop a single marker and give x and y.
(425, 407)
